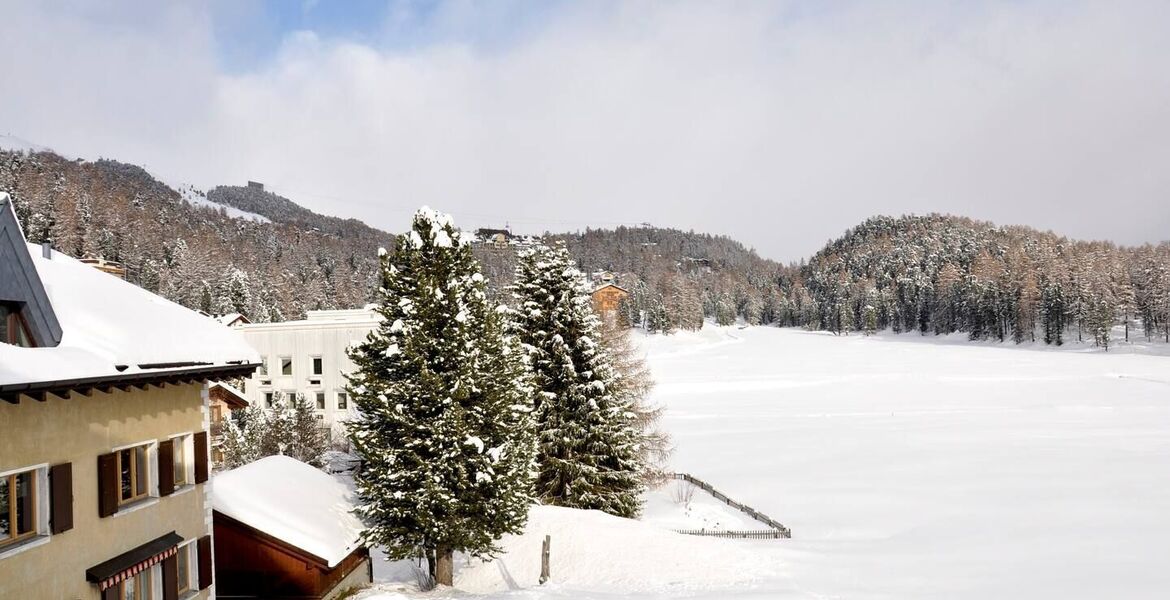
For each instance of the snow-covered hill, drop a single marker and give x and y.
(907, 467)
(910, 468)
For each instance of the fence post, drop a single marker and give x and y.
(544, 552)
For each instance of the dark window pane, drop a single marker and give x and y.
(321, 400)
(286, 366)
(23, 499)
(268, 399)
(317, 366)
(342, 401)
(4, 310)
(124, 461)
(141, 470)
(5, 499)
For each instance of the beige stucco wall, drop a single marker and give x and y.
(77, 430)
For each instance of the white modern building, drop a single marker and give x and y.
(308, 358)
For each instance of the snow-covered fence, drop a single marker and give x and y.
(758, 534)
(777, 530)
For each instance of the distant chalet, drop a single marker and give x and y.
(104, 446)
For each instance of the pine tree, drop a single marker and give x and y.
(445, 430)
(588, 434)
(289, 428)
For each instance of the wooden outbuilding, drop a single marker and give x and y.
(285, 529)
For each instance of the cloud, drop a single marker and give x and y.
(780, 125)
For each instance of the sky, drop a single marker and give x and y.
(779, 124)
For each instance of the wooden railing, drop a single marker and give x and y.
(777, 530)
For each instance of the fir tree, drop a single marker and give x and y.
(445, 433)
(588, 435)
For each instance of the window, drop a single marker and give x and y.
(286, 365)
(267, 399)
(342, 401)
(320, 400)
(263, 369)
(133, 473)
(136, 587)
(180, 452)
(13, 329)
(18, 507)
(318, 365)
(183, 560)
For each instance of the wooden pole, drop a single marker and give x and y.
(544, 552)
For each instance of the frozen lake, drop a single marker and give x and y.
(909, 467)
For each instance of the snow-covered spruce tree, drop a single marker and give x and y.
(588, 435)
(444, 404)
(289, 428)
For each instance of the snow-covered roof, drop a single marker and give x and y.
(231, 389)
(112, 328)
(230, 318)
(292, 502)
(609, 284)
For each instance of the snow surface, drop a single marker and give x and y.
(912, 467)
(195, 197)
(665, 508)
(106, 321)
(598, 555)
(293, 502)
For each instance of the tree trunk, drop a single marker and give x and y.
(444, 566)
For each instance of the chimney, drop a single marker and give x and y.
(46, 251)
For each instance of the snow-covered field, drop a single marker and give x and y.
(906, 467)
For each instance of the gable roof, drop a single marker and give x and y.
(606, 285)
(235, 398)
(19, 281)
(293, 502)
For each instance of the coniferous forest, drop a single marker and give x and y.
(933, 274)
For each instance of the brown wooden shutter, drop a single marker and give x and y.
(201, 457)
(110, 593)
(107, 484)
(205, 567)
(166, 468)
(170, 582)
(61, 498)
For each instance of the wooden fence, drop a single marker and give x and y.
(759, 534)
(777, 531)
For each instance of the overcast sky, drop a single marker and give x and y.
(779, 124)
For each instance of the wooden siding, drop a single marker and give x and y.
(252, 564)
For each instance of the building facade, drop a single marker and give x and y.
(607, 299)
(308, 358)
(104, 411)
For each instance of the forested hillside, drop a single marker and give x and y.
(932, 274)
(194, 254)
(944, 274)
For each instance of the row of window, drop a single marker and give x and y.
(34, 500)
(341, 399)
(286, 365)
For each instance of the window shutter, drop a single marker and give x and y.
(61, 498)
(201, 457)
(107, 484)
(170, 582)
(205, 567)
(110, 593)
(166, 468)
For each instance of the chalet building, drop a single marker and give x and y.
(607, 298)
(284, 529)
(233, 319)
(103, 431)
(308, 358)
(498, 239)
(223, 400)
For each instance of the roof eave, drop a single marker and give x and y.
(38, 390)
